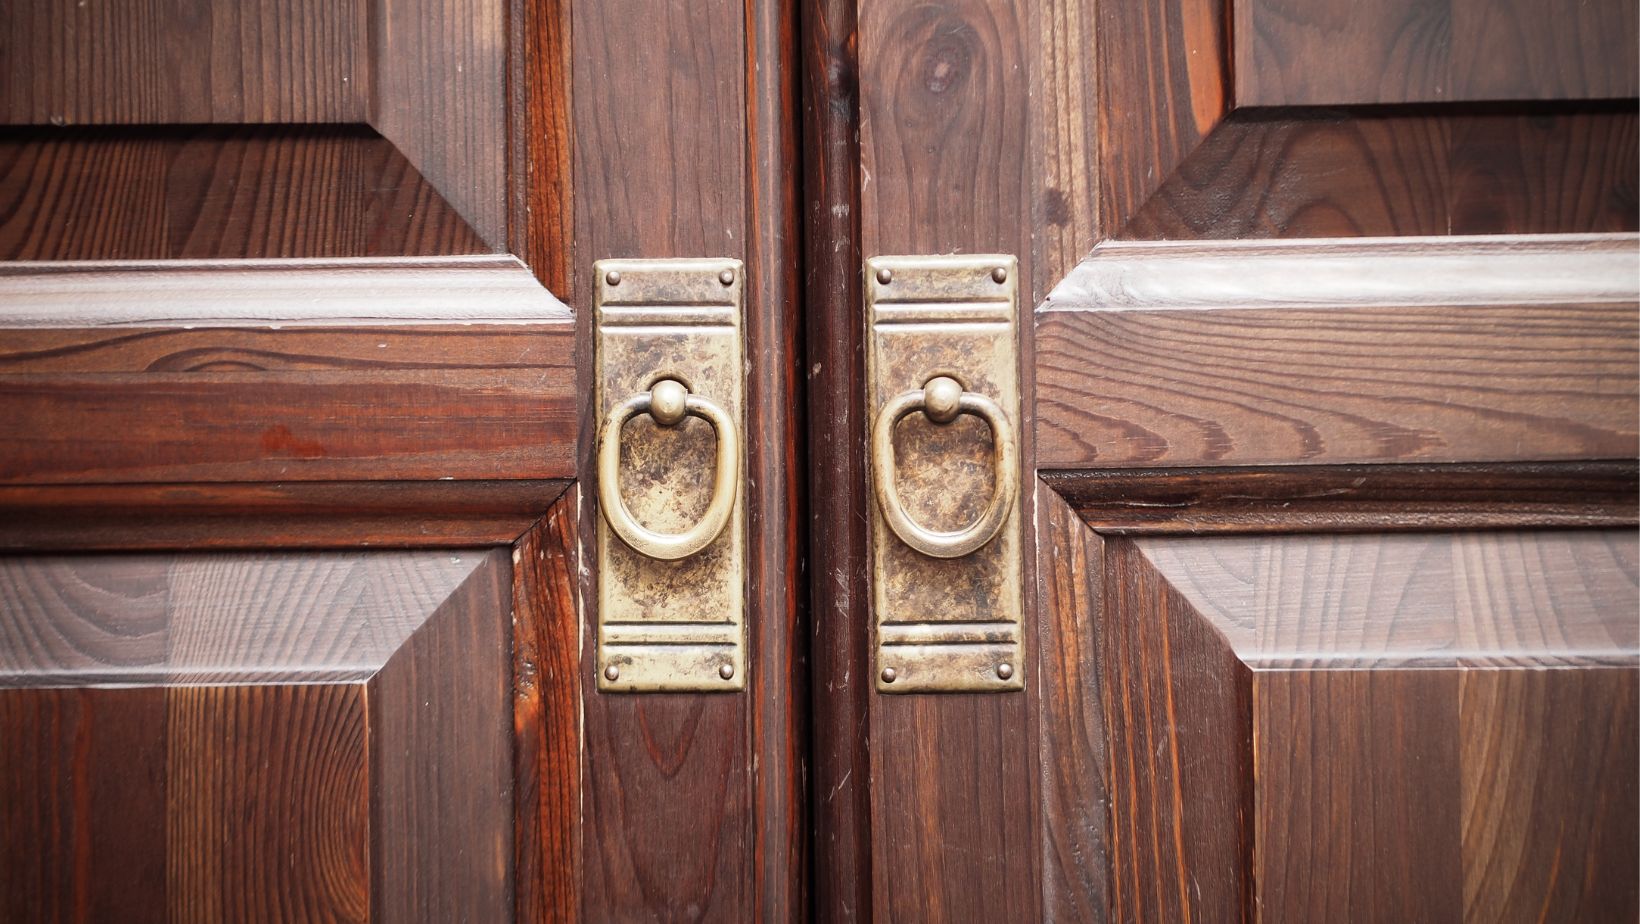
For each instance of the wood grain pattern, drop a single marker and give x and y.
(1408, 51)
(441, 806)
(227, 293)
(1163, 84)
(193, 62)
(1521, 599)
(1173, 690)
(541, 227)
(286, 399)
(1351, 498)
(218, 193)
(661, 147)
(312, 515)
(439, 82)
(945, 159)
(1075, 761)
(1287, 173)
(776, 450)
(1417, 706)
(1558, 859)
(196, 732)
(1064, 127)
(215, 618)
(1316, 380)
(1364, 768)
(839, 592)
(546, 717)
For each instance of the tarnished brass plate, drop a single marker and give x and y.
(671, 625)
(945, 624)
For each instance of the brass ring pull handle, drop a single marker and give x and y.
(943, 399)
(669, 402)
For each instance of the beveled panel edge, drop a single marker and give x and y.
(1354, 272)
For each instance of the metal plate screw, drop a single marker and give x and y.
(727, 671)
(613, 278)
(889, 674)
(612, 673)
(727, 277)
(1005, 670)
(885, 276)
(1000, 274)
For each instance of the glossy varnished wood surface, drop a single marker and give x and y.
(1351, 498)
(1406, 51)
(195, 62)
(1073, 751)
(254, 737)
(1310, 173)
(835, 387)
(945, 161)
(1446, 695)
(1162, 87)
(439, 93)
(1356, 361)
(114, 380)
(546, 720)
(661, 170)
(218, 193)
(388, 514)
(777, 450)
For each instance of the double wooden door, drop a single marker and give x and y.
(1328, 380)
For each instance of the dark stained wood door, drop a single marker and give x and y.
(1332, 396)
(293, 433)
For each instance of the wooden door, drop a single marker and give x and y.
(1331, 407)
(294, 354)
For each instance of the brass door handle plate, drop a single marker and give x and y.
(942, 400)
(946, 537)
(668, 402)
(671, 475)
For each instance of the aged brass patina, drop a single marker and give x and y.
(943, 392)
(671, 475)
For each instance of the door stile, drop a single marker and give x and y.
(684, 147)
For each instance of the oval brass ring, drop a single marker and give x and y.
(1004, 457)
(645, 541)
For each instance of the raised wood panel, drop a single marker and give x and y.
(1174, 690)
(441, 768)
(1330, 174)
(255, 737)
(1294, 53)
(439, 93)
(194, 61)
(1332, 352)
(1440, 726)
(198, 618)
(260, 390)
(1358, 813)
(218, 193)
(1523, 599)
(1548, 794)
(1162, 86)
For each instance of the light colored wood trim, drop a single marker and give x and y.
(1582, 269)
(226, 293)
